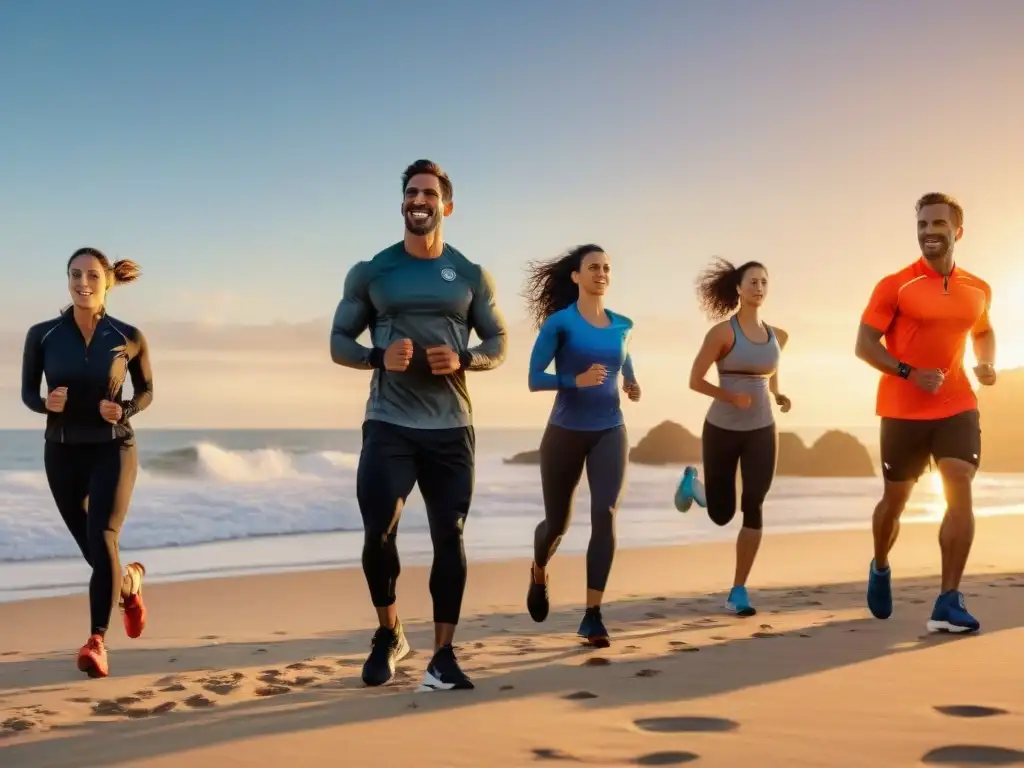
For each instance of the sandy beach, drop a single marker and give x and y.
(264, 670)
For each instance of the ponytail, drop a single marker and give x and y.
(125, 271)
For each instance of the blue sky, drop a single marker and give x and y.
(246, 154)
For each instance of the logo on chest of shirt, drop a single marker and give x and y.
(448, 274)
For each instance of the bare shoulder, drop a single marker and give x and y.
(721, 332)
(780, 334)
(720, 337)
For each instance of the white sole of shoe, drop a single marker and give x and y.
(431, 683)
(945, 626)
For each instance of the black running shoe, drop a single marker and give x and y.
(388, 647)
(443, 673)
(592, 629)
(537, 599)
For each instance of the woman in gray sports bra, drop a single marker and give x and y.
(739, 429)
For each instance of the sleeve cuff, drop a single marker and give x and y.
(566, 381)
(879, 322)
(465, 359)
(376, 358)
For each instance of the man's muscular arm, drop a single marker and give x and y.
(486, 319)
(351, 318)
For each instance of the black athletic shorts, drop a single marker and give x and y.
(909, 445)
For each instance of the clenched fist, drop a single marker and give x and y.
(56, 400)
(986, 373)
(110, 411)
(594, 376)
(443, 360)
(928, 379)
(741, 400)
(632, 390)
(398, 355)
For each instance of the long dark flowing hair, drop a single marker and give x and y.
(549, 284)
(718, 287)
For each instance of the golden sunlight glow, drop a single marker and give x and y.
(936, 502)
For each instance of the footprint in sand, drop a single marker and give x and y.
(199, 702)
(654, 615)
(648, 673)
(122, 708)
(506, 688)
(660, 599)
(275, 677)
(767, 631)
(272, 690)
(666, 758)
(969, 755)
(10, 653)
(580, 696)
(281, 634)
(596, 661)
(210, 637)
(686, 724)
(14, 725)
(222, 685)
(652, 758)
(970, 710)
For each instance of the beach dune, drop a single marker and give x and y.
(263, 670)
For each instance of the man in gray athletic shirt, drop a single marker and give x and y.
(420, 298)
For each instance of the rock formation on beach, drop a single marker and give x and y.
(834, 454)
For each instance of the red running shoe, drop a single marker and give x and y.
(131, 605)
(92, 658)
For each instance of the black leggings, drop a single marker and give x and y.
(755, 452)
(393, 460)
(563, 453)
(92, 484)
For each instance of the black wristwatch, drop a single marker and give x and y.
(903, 370)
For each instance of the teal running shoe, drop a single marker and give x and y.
(690, 490)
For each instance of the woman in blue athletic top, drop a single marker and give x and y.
(588, 345)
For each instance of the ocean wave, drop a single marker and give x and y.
(208, 493)
(210, 461)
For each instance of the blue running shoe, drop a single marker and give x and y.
(592, 629)
(690, 489)
(739, 602)
(951, 615)
(880, 592)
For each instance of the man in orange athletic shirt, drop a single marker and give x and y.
(925, 312)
